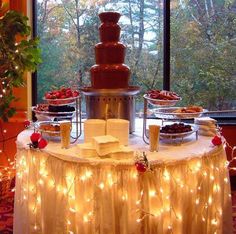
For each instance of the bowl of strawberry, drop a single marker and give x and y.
(61, 96)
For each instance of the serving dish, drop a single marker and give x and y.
(182, 135)
(47, 115)
(44, 128)
(161, 102)
(170, 113)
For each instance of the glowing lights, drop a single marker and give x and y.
(152, 193)
(73, 210)
(166, 175)
(210, 200)
(147, 197)
(214, 222)
(101, 185)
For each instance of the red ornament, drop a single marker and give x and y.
(35, 137)
(140, 167)
(26, 123)
(216, 140)
(42, 143)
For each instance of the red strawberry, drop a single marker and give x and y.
(35, 137)
(216, 140)
(48, 96)
(42, 143)
(140, 167)
(58, 94)
(75, 93)
(68, 93)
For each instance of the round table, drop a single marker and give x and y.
(187, 191)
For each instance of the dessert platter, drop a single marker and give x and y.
(163, 101)
(61, 104)
(45, 111)
(178, 130)
(48, 128)
(188, 112)
(162, 98)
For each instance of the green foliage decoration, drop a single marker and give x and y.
(16, 57)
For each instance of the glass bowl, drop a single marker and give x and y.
(61, 102)
(170, 113)
(161, 102)
(181, 135)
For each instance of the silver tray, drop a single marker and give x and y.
(54, 114)
(169, 113)
(179, 135)
(161, 102)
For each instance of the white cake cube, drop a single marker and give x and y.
(92, 128)
(118, 128)
(86, 150)
(105, 144)
(124, 152)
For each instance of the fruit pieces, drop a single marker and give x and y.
(163, 95)
(176, 128)
(61, 93)
(189, 109)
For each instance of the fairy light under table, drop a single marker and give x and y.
(187, 191)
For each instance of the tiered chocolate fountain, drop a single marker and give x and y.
(110, 95)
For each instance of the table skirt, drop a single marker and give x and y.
(54, 196)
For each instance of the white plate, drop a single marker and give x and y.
(179, 135)
(169, 113)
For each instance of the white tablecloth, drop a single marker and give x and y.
(188, 191)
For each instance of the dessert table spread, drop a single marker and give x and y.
(187, 191)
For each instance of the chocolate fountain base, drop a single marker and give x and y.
(111, 103)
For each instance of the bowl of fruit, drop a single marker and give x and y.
(61, 96)
(162, 97)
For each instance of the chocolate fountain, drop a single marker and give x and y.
(110, 95)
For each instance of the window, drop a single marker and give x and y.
(203, 52)
(202, 46)
(68, 38)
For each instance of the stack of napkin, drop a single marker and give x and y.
(207, 126)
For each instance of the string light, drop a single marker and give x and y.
(159, 197)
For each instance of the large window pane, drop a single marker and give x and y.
(68, 30)
(203, 52)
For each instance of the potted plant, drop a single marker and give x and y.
(18, 54)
